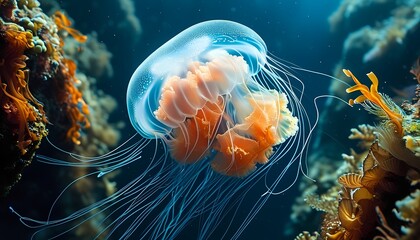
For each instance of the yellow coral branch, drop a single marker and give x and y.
(375, 97)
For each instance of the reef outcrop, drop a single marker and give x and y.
(387, 43)
(49, 74)
(39, 85)
(376, 196)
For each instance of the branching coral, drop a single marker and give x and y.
(364, 133)
(396, 125)
(376, 36)
(408, 209)
(380, 102)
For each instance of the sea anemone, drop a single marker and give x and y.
(19, 105)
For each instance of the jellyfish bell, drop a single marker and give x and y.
(200, 43)
(226, 113)
(200, 93)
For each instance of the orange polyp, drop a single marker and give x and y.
(375, 97)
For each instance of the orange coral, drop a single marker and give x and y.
(375, 97)
(63, 23)
(14, 83)
(76, 108)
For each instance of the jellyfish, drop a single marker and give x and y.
(216, 114)
(199, 94)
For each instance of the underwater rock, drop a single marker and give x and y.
(23, 119)
(386, 42)
(40, 85)
(49, 75)
(412, 124)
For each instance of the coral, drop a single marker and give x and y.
(382, 177)
(92, 57)
(408, 209)
(131, 21)
(388, 173)
(23, 120)
(378, 34)
(326, 202)
(71, 97)
(364, 133)
(396, 124)
(102, 135)
(412, 124)
(15, 92)
(386, 41)
(63, 23)
(32, 58)
(378, 103)
(323, 194)
(46, 55)
(307, 236)
(352, 11)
